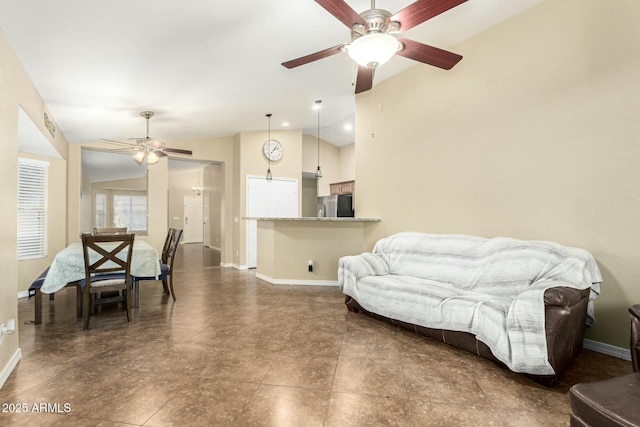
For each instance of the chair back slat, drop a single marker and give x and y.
(103, 245)
(167, 243)
(173, 247)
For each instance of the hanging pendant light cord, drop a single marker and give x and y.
(318, 170)
(269, 176)
(318, 135)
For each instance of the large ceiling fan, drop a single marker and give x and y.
(373, 40)
(147, 150)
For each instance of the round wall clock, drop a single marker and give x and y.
(272, 150)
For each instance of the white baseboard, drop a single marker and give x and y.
(297, 282)
(232, 265)
(10, 366)
(23, 294)
(608, 349)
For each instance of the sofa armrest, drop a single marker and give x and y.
(634, 344)
(351, 268)
(565, 321)
(562, 296)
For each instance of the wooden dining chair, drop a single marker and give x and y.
(166, 266)
(107, 265)
(112, 230)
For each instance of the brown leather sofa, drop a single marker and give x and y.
(614, 401)
(565, 317)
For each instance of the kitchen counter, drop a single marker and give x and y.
(314, 218)
(287, 246)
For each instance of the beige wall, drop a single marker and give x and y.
(123, 184)
(309, 197)
(337, 163)
(329, 162)
(16, 90)
(250, 160)
(214, 187)
(77, 204)
(534, 135)
(347, 159)
(87, 204)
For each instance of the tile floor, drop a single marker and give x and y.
(234, 350)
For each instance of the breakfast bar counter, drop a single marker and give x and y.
(287, 247)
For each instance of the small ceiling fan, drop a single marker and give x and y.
(373, 40)
(147, 150)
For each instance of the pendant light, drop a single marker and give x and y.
(318, 171)
(269, 176)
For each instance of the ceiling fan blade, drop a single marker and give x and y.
(422, 10)
(160, 153)
(124, 150)
(313, 57)
(428, 54)
(364, 80)
(342, 11)
(111, 141)
(177, 151)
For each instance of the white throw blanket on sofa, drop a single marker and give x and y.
(492, 288)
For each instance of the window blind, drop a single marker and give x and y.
(32, 209)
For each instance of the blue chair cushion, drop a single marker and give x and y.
(164, 271)
(37, 284)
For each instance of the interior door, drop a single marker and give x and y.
(207, 222)
(193, 219)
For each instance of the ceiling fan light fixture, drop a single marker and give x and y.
(139, 157)
(373, 50)
(152, 158)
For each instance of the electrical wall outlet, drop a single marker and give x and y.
(310, 266)
(11, 326)
(7, 329)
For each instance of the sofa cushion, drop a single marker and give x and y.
(498, 266)
(432, 304)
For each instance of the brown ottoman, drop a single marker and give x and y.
(612, 402)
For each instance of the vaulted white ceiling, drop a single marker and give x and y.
(207, 68)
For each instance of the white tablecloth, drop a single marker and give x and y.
(68, 265)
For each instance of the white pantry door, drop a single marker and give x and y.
(276, 198)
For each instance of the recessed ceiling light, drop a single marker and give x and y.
(348, 127)
(285, 124)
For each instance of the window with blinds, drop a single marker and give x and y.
(32, 209)
(130, 212)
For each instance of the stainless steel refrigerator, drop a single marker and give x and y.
(337, 205)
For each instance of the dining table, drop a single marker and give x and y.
(68, 264)
(67, 269)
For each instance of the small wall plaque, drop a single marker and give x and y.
(49, 125)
